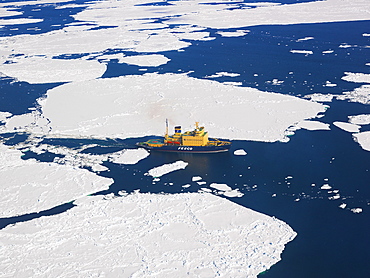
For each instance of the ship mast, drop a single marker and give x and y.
(166, 135)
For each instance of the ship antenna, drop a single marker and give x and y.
(166, 128)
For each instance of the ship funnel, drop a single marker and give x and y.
(177, 129)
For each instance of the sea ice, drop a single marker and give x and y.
(313, 125)
(347, 126)
(153, 60)
(196, 178)
(326, 187)
(363, 119)
(356, 210)
(146, 235)
(108, 108)
(240, 152)
(306, 52)
(363, 138)
(28, 186)
(128, 156)
(320, 97)
(167, 168)
(220, 186)
(361, 95)
(356, 77)
(43, 70)
(239, 33)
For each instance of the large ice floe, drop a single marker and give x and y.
(111, 105)
(28, 186)
(146, 235)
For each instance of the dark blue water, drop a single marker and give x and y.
(331, 242)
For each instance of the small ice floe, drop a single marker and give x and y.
(201, 182)
(345, 45)
(305, 39)
(329, 84)
(363, 119)
(320, 97)
(273, 195)
(222, 74)
(153, 60)
(342, 205)
(335, 197)
(166, 168)
(306, 52)
(226, 190)
(313, 125)
(360, 95)
(363, 138)
(326, 186)
(233, 83)
(356, 210)
(186, 185)
(128, 156)
(347, 126)
(196, 178)
(328, 51)
(240, 152)
(238, 33)
(203, 189)
(275, 82)
(356, 77)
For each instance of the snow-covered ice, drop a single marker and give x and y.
(111, 105)
(363, 119)
(306, 52)
(240, 152)
(153, 60)
(167, 168)
(349, 127)
(313, 125)
(363, 138)
(28, 186)
(129, 156)
(146, 235)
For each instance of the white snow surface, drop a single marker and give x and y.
(167, 168)
(347, 126)
(363, 119)
(356, 77)
(220, 186)
(145, 235)
(361, 95)
(240, 152)
(28, 186)
(108, 107)
(313, 125)
(306, 52)
(44, 70)
(363, 138)
(128, 156)
(153, 60)
(320, 97)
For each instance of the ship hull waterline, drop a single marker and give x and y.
(186, 149)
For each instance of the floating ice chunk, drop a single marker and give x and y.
(335, 197)
(189, 231)
(361, 95)
(313, 125)
(220, 186)
(196, 178)
(328, 51)
(345, 45)
(42, 70)
(99, 107)
(275, 82)
(28, 186)
(153, 60)
(356, 77)
(329, 84)
(239, 33)
(186, 185)
(326, 186)
(320, 97)
(16, 21)
(4, 116)
(240, 152)
(201, 182)
(363, 119)
(203, 189)
(363, 138)
(221, 74)
(305, 39)
(233, 193)
(366, 35)
(167, 168)
(342, 205)
(128, 156)
(356, 210)
(306, 52)
(347, 126)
